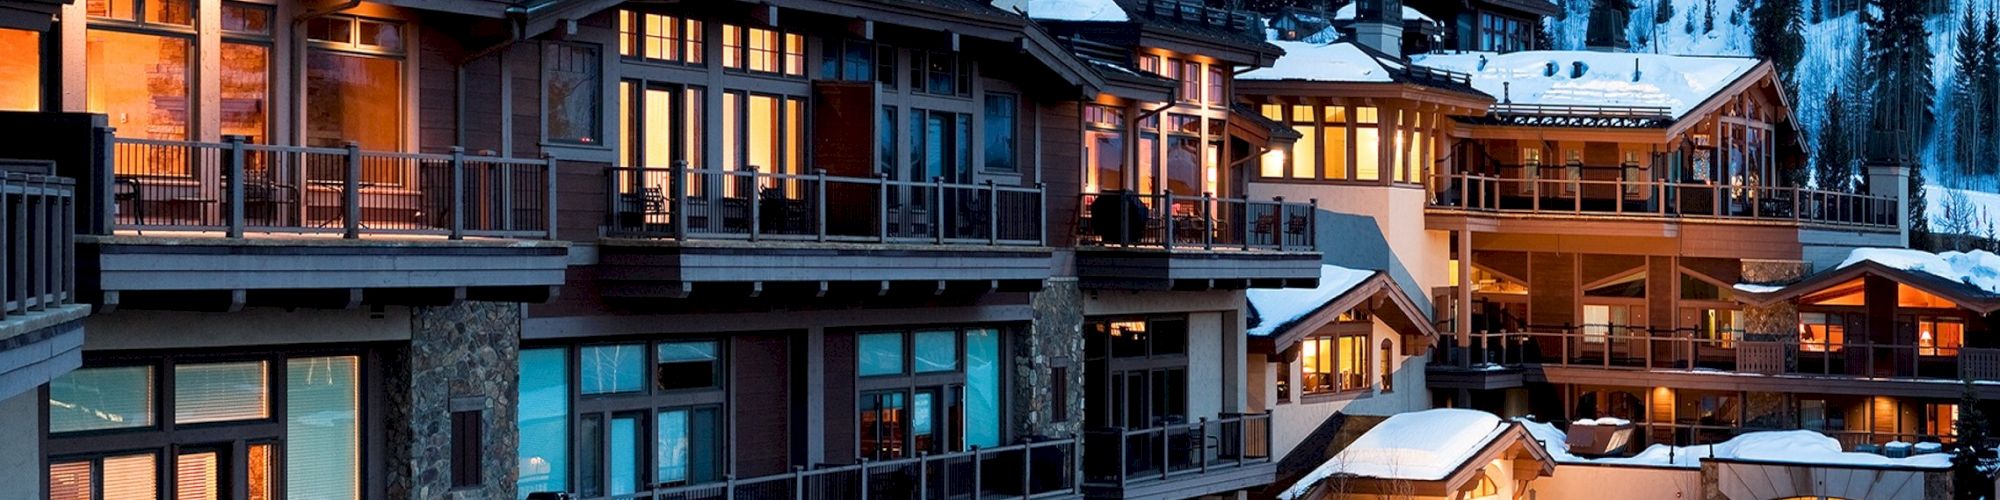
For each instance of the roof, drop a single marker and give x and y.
(1074, 10)
(1281, 317)
(1348, 12)
(1349, 62)
(1274, 310)
(1793, 447)
(1221, 30)
(1430, 445)
(1969, 279)
(1581, 78)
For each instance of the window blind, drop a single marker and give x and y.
(101, 398)
(220, 392)
(130, 477)
(322, 459)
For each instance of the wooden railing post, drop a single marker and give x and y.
(549, 187)
(977, 472)
(937, 209)
(1312, 224)
(1042, 213)
(1166, 210)
(457, 193)
(819, 203)
(728, 487)
(234, 189)
(351, 193)
(1278, 221)
(1200, 445)
(992, 213)
(864, 479)
(1207, 221)
(756, 206)
(799, 481)
(505, 170)
(1160, 448)
(882, 208)
(924, 475)
(677, 196)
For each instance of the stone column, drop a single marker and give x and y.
(1053, 343)
(463, 357)
(1778, 320)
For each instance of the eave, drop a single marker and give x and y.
(1454, 103)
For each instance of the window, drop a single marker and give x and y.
(1190, 80)
(940, 146)
(120, 476)
(655, 37)
(687, 365)
(935, 399)
(940, 73)
(881, 354)
(935, 351)
(884, 425)
(1939, 336)
(658, 125)
(1334, 363)
(467, 443)
(322, 427)
(246, 71)
(1104, 149)
(542, 419)
(688, 445)
(570, 82)
(1333, 164)
(166, 12)
(763, 51)
(650, 415)
(1218, 95)
(1941, 419)
(1184, 156)
(21, 70)
(354, 78)
(1388, 360)
(1306, 150)
(885, 66)
(847, 60)
(1367, 145)
(140, 81)
(767, 134)
(219, 392)
(1822, 332)
(1000, 131)
(609, 369)
(1058, 394)
(89, 399)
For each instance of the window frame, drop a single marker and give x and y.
(1331, 344)
(354, 48)
(595, 82)
(949, 386)
(644, 405)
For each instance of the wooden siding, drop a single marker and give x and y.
(1062, 167)
(841, 405)
(762, 404)
(1552, 283)
(580, 200)
(1599, 267)
(437, 90)
(1662, 291)
(1512, 264)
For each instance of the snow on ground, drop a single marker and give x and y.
(1070, 10)
(1348, 12)
(1335, 62)
(1276, 308)
(1796, 446)
(1418, 446)
(1978, 268)
(1611, 421)
(1977, 210)
(1678, 83)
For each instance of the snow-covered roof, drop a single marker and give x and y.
(1678, 83)
(1076, 10)
(1978, 268)
(1757, 288)
(1277, 308)
(1347, 14)
(1418, 446)
(1796, 446)
(1332, 62)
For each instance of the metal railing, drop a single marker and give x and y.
(1120, 457)
(39, 237)
(1205, 222)
(1693, 434)
(1570, 189)
(684, 203)
(235, 187)
(1636, 348)
(1030, 470)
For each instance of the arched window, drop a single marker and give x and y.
(1388, 358)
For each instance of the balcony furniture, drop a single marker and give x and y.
(637, 210)
(128, 191)
(1118, 217)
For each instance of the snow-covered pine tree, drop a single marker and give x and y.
(1987, 77)
(1969, 452)
(1831, 167)
(1920, 224)
(1708, 17)
(1663, 12)
(1967, 92)
(1778, 35)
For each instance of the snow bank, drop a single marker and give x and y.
(1611, 421)
(1418, 446)
(1678, 83)
(1978, 268)
(1347, 14)
(1796, 446)
(1336, 62)
(1076, 10)
(1280, 307)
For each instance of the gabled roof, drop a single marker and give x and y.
(1282, 317)
(1679, 84)
(1439, 450)
(1968, 279)
(1349, 62)
(1218, 33)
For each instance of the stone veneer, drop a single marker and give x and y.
(1055, 339)
(1779, 319)
(460, 357)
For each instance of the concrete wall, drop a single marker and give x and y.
(21, 472)
(256, 326)
(1592, 482)
(1398, 212)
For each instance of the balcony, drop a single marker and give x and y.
(1182, 460)
(41, 325)
(1128, 240)
(1033, 470)
(1680, 358)
(1575, 192)
(670, 229)
(294, 226)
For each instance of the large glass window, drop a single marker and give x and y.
(982, 387)
(688, 365)
(89, 399)
(1939, 336)
(656, 37)
(1822, 332)
(1367, 145)
(354, 89)
(881, 354)
(1000, 133)
(625, 448)
(688, 445)
(946, 399)
(763, 51)
(543, 421)
(940, 73)
(21, 70)
(217, 392)
(322, 428)
(120, 477)
(246, 71)
(1334, 363)
(613, 368)
(1104, 149)
(571, 85)
(141, 82)
(848, 60)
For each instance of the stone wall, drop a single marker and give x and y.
(1780, 319)
(460, 357)
(1054, 340)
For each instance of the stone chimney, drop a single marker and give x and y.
(1378, 24)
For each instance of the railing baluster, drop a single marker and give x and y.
(235, 187)
(351, 193)
(549, 202)
(819, 203)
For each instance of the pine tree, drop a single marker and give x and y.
(1708, 17)
(1778, 36)
(1663, 12)
(1920, 224)
(1987, 76)
(1832, 163)
(1818, 11)
(1967, 92)
(1969, 452)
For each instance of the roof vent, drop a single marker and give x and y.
(1635, 69)
(1549, 70)
(1506, 92)
(1577, 69)
(1482, 62)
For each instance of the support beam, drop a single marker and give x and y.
(1462, 311)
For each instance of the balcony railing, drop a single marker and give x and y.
(1602, 190)
(683, 203)
(1033, 470)
(234, 187)
(39, 237)
(1196, 222)
(1633, 348)
(1120, 457)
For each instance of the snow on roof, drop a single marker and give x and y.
(1678, 83)
(1418, 446)
(1348, 13)
(1796, 446)
(1756, 288)
(1280, 307)
(1978, 268)
(1076, 10)
(1333, 62)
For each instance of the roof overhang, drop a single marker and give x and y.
(1528, 460)
(1761, 72)
(1961, 294)
(31, 15)
(1451, 102)
(1378, 293)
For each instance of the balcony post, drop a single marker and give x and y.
(1619, 207)
(1312, 224)
(976, 472)
(992, 213)
(1201, 445)
(864, 480)
(549, 184)
(1278, 221)
(351, 193)
(12, 225)
(1207, 221)
(107, 155)
(937, 209)
(68, 232)
(505, 170)
(1796, 192)
(458, 193)
(1167, 219)
(1042, 213)
(728, 487)
(756, 208)
(1662, 201)
(923, 475)
(1027, 470)
(819, 203)
(235, 187)
(882, 208)
(1124, 455)
(799, 481)
(677, 193)
(1160, 448)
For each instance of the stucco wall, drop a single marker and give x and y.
(1205, 374)
(1398, 212)
(21, 473)
(1293, 421)
(254, 326)
(1587, 482)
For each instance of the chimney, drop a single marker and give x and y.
(1378, 24)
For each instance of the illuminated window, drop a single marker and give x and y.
(765, 133)
(1941, 419)
(1218, 95)
(1190, 79)
(656, 37)
(246, 71)
(21, 70)
(1367, 145)
(1104, 149)
(1388, 360)
(1334, 363)
(1939, 336)
(763, 51)
(1824, 332)
(354, 79)
(167, 12)
(1484, 488)
(140, 80)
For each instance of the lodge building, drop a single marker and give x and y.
(903, 248)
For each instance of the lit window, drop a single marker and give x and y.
(91, 399)
(218, 392)
(1938, 336)
(322, 429)
(1367, 145)
(354, 79)
(763, 51)
(168, 12)
(141, 82)
(658, 37)
(21, 70)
